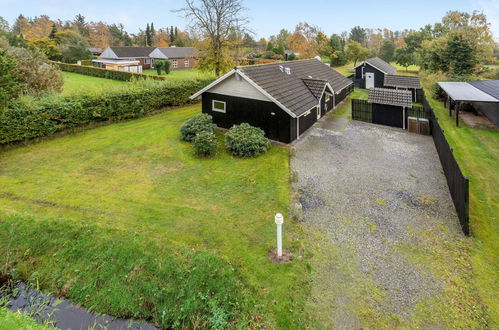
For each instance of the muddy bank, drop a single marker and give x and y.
(57, 312)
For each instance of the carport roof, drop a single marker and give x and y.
(387, 96)
(463, 91)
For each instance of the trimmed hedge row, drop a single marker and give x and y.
(104, 73)
(29, 118)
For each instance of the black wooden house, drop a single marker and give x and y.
(371, 73)
(283, 99)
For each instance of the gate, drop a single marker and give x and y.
(361, 110)
(389, 115)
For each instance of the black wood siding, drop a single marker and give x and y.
(389, 115)
(342, 95)
(379, 77)
(307, 121)
(276, 123)
(489, 109)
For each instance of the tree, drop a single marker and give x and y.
(215, 19)
(47, 46)
(4, 25)
(158, 65)
(35, 75)
(148, 35)
(75, 51)
(53, 31)
(323, 45)
(298, 43)
(9, 86)
(404, 57)
(81, 26)
(166, 66)
(292, 57)
(355, 52)
(358, 34)
(387, 51)
(461, 55)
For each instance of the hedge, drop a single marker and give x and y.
(28, 118)
(104, 73)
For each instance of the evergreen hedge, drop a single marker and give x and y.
(104, 73)
(28, 118)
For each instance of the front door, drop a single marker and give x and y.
(318, 112)
(369, 80)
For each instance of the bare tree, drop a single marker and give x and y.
(215, 20)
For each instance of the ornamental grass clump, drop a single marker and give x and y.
(198, 124)
(246, 141)
(205, 144)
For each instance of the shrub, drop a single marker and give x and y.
(158, 65)
(205, 144)
(246, 141)
(104, 73)
(30, 117)
(199, 123)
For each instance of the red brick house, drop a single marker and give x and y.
(180, 57)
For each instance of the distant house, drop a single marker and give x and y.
(180, 57)
(95, 51)
(140, 54)
(371, 73)
(283, 99)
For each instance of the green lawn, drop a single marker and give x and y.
(347, 69)
(182, 74)
(345, 110)
(98, 215)
(10, 320)
(477, 151)
(76, 83)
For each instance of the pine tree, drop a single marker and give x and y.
(53, 32)
(152, 34)
(172, 36)
(148, 35)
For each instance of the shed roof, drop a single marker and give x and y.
(463, 91)
(402, 81)
(380, 65)
(390, 97)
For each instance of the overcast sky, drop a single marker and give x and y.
(267, 16)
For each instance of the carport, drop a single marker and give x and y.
(474, 92)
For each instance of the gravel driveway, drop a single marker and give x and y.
(382, 228)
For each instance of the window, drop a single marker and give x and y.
(186, 63)
(174, 64)
(218, 106)
(328, 97)
(147, 61)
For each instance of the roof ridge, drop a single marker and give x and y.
(273, 63)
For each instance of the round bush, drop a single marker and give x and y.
(205, 144)
(246, 141)
(197, 124)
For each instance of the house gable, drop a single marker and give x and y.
(238, 87)
(156, 53)
(108, 53)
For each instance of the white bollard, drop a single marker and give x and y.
(279, 219)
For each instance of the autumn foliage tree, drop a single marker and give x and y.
(355, 52)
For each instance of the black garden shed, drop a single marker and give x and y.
(371, 73)
(389, 106)
(283, 99)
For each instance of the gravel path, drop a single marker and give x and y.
(374, 203)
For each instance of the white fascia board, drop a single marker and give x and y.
(219, 80)
(261, 90)
(339, 91)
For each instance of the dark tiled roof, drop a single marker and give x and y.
(402, 81)
(382, 65)
(315, 86)
(390, 97)
(490, 87)
(132, 51)
(290, 89)
(177, 52)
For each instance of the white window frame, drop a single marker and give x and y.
(186, 63)
(218, 110)
(174, 64)
(147, 61)
(328, 97)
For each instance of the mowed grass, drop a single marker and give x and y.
(182, 74)
(136, 179)
(78, 83)
(477, 152)
(345, 110)
(347, 69)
